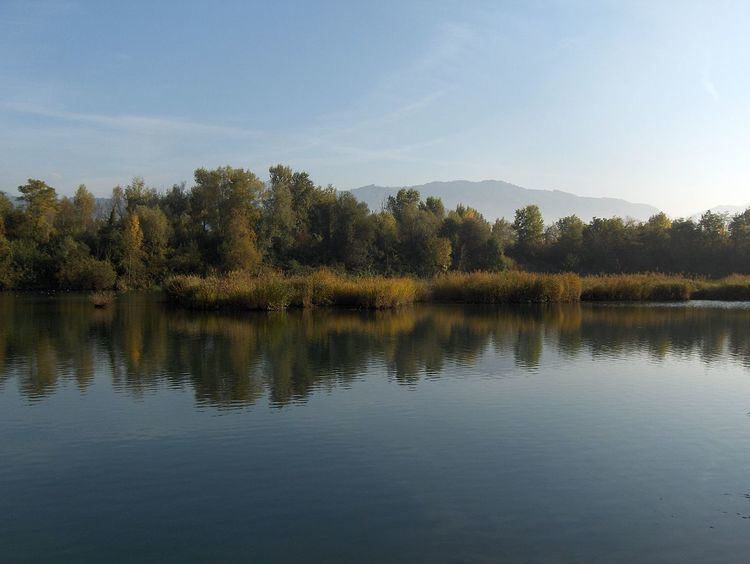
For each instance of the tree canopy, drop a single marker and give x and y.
(230, 219)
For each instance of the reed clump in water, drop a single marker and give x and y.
(100, 300)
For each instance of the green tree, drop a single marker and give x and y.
(219, 192)
(280, 217)
(318, 249)
(118, 203)
(739, 235)
(567, 249)
(214, 198)
(66, 220)
(32, 267)
(655, 242)
(6, 206)
(40, 210)
(608, 245)
(155, 227)
(529, 228)
(474, 246)
(435, 207)
(385, 242)
(5, 256)
(183, 252)
(684, 246)
(406, 201)
(353, 233)
(474, 234)
(421, 250)
(78, 270)
(714, 243)
(503, 233)
(137, 194)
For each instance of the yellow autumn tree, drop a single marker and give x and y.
(239, 249)
(132, 250)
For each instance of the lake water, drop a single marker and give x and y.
(442, 434)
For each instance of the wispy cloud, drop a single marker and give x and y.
(143, 124)
(389, 124)
(413, 89)
(707, 81)
(710, 87)
(18, 15)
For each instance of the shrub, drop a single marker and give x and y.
(92, 274)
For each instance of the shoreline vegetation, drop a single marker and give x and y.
(412, 248)
(323, 288)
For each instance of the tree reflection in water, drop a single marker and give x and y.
(233, 360)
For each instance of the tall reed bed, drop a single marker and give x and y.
(323, 288)
(732, 288)
(236, 289)
(276, 291)
(637, 287)
(505, 287)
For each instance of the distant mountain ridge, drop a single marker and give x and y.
(495, 199)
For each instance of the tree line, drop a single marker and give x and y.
(230, 219)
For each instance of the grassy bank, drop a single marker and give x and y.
(327, 289)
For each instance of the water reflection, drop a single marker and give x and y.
(230, 360)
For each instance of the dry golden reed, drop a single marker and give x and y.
(275, 291)
(505, 287)
(324, 288)
(637, 287)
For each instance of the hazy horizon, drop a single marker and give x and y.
(635, 101)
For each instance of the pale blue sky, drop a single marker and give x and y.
(642, 100)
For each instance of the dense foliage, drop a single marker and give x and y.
(231, 220)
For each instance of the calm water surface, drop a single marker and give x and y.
(447, 434)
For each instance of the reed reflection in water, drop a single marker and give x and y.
(140, 344)
(575, 433)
